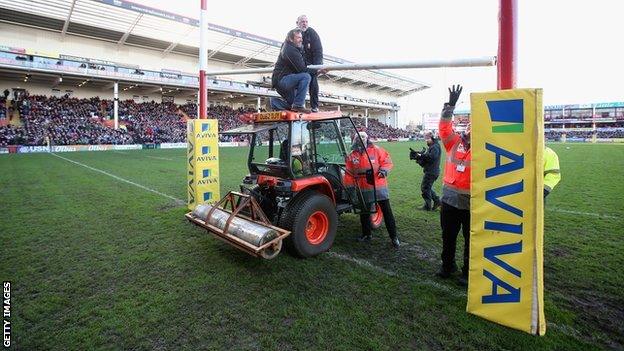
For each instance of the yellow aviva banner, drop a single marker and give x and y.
(203, 161)
(505, 283)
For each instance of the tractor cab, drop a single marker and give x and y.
(302, 151)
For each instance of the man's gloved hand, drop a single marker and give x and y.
(370, 179)
(454, 94)
(382, 173)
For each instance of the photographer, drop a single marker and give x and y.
(429, 160)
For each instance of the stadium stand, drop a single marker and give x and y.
(378, 130)
(588, 122)
(3, 108)
(69, 121)
(72, 121)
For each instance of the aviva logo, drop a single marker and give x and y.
(205, 132)
(205, 150)
(507, 116)
(207, 196)
(206, 173)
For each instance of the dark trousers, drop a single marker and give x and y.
(388, 219)
(426, 188)
(452, 220)
(293, 89)
(314, 91)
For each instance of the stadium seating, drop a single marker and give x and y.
(68, 121)
(378, 130)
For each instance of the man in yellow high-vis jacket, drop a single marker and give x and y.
(552, 173)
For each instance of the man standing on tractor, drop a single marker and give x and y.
(371, 176)
(455, 211)
(313, 54)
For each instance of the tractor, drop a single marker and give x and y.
(295, 189)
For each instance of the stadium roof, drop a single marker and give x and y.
(128, 23)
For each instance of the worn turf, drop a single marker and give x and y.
(98, 263)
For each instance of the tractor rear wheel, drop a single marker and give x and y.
(377, 217)
(312, 220)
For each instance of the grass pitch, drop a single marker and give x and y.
(98, 263)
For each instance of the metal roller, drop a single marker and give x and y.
(253, 233)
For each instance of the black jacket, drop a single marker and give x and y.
(430, 160)
(289, 61)
(312, 48)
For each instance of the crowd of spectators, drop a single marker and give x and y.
(66, 121)
(378, 130)
(610, 133)
(602, 133)
(151, 122)
(10, 135)
(3, 108)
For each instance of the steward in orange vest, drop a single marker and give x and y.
(371, 176)
(455, 210)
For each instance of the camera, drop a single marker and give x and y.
(416, 155)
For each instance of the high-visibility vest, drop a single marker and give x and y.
(552, 174)
(457, 167)
(357, 164)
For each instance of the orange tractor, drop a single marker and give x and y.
(295, 189)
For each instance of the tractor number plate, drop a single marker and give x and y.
(269, 116)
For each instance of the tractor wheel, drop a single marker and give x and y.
(377, 217)
(312, 221)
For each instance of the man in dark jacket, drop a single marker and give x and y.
(429, 160)
(291, 78)
(313, 54)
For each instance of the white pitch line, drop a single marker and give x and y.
(581, 213)
(161, 158)
(421, 282)
(178, 201)
(120, 152)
